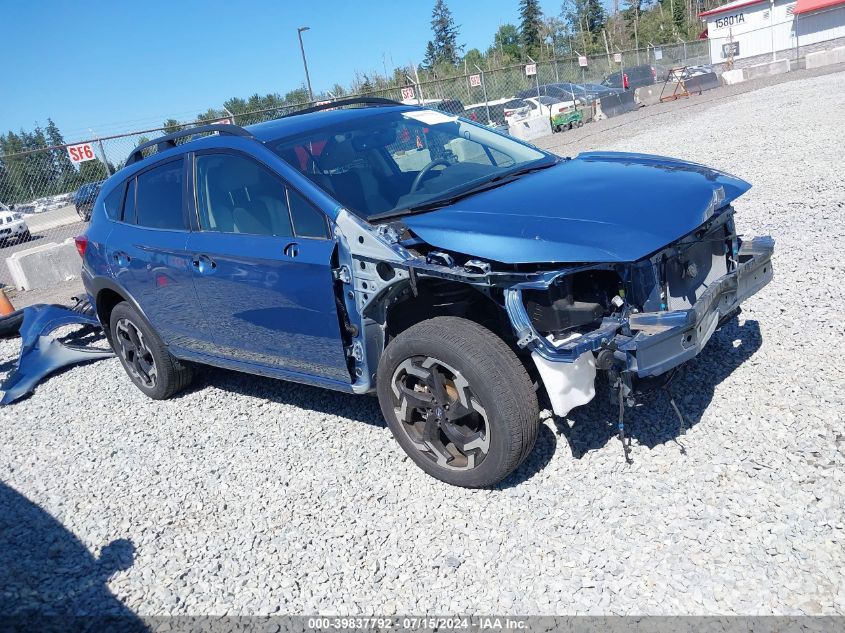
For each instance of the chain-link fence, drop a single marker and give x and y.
(47, 193)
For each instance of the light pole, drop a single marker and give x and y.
(304, 62)
(772, 28)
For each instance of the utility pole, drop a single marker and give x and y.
(102, 151)
(537, 79)
(772, 27)
(304, 61)
(484, 88)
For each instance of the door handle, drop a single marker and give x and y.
(292, 249)
(204, 264)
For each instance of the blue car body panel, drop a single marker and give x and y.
(261, 306)
(598, 207)
(154, 267)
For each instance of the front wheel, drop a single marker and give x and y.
(458, 401)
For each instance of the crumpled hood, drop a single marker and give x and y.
(598, 207)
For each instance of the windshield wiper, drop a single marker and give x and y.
(492, 183)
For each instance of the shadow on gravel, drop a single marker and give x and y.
(355, 407)
(49, 579)
(653, 422)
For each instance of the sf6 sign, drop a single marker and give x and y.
(80, 153)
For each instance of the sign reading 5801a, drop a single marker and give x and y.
(81, 152)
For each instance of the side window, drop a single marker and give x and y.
(114, 202)
(158, 202)
(236, 194)
(307, 221)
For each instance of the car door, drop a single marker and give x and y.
(147, 252)
(262, 258)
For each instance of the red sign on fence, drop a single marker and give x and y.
(408, 92)
(474, 81)
(530, 69)
(81, 152)
(582, 61)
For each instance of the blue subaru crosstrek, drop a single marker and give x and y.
(461, 275)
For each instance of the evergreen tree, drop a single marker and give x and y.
(679, 15)
(531, 23)
(172, 125)
(62, 166)
(430, 59)
(594, 17)
(443, 47)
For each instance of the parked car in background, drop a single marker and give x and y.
(597, 91)
(456, 273)
(695, 71)
(495, 109)
(450, 106)
(13, 227)
(635, 77)
(491, 114)
(84, 198)
(561, 92)
(540, 107)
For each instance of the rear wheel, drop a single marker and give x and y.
(458, 401)
(144, 356)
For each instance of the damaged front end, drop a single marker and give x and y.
(656, 313)
(634, 320)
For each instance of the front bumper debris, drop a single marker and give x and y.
(42, 354)
(652, 343)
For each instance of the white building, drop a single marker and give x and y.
(749, 28)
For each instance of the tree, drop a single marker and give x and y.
(506, 44)
(594, 17)
(473, 58)
(430, 59)
(443, 47)
(531, 22)
(585, 19)
(172, 125)
(554, 33)
(62, 166)
(679, 16)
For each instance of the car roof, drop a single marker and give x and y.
(302, 123)
(270, 131)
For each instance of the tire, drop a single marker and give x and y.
(144, 356)
(484, 403)
(11, 324)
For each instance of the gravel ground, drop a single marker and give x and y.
(247, 495)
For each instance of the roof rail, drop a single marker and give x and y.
(166, 142)
(369, 101)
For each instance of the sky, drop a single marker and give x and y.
(108, 67)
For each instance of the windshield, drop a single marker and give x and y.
(396, 160)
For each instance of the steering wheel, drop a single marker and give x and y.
(424, 172)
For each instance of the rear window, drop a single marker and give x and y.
(114, 202)
(158, 202)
